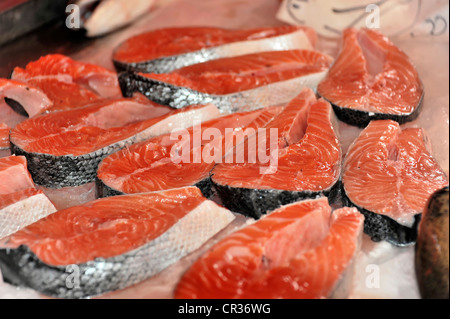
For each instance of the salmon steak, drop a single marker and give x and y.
(168, 162)
(67, 83)
(305, 161)
(165, 50)
(300, 251)
(65, 148)
(389, 174)
(236, 84)
(372, 79)
(110, 244)
(21, 204)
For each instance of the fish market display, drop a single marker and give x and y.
(165, 162)
(389, 174)
(111, 243)
(211, 151)
(432, 248)
(300, 251)
(165, 50)
(64, 148)
(305, 164)
(24, 98)
(242, 83)
(68, 83)
(372, 79)
(21, 204)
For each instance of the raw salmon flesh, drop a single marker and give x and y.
(113, 242)
(165, 50)
(389, 173)
(299, 251)
(236, 84)
(372, 79)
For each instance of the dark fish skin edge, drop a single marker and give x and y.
(62, 171)
(380, 227)
(255, 203)
(432, 249)
(16, 106)
(104, 190)
(160, 92)
(362, 119)
(22, 268)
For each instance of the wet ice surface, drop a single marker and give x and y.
(381, 270)
(10, 292)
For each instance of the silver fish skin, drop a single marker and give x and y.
(21, 204)
(277, 93)
(290, 41)
(57, 172)
(21, 267)
(4, 137)
(23, 213)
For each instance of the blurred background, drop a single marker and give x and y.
(31, 28)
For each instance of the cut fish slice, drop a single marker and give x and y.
(165, 50)
(242, 83)
(112, 243)
(390, 174)
(68, 83)
(65, 148)
(166, 162)
(21, 204)
(372, 79)
(300, 251)
(24, 98)
(309, 165)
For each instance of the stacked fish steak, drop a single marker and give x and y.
(212, 124)
(389, 173)
(235, 70)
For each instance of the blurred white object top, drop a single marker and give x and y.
(415, 18)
